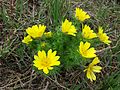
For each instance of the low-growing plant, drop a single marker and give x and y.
(69, 45)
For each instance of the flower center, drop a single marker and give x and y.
(46, 63)
(84, 52)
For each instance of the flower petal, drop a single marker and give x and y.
(96, 69)
(91, 53)
(49, 53)
(42, 54)
(45, 70)
(54, 53)
(93, 76)
(81, 47)
(86, 46)
(56, 58)
(56, 63)
(95, 61)
(36, 57)
(89, 75)
(50, 68)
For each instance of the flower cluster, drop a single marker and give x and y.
(47, 61)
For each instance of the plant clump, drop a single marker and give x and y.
(69, 45)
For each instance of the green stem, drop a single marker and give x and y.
(82, 25)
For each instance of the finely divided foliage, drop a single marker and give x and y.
(71, 45)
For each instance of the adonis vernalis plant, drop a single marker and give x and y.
(65, 47)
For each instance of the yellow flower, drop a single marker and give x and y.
(48, 34)
(81, 15)
(68, 28)
(85, 51)
(36, 31)
(27, 39)
(103, 36)
(88, 33)
(92, 67)
(46, 62)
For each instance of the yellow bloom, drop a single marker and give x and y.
(88, 33)
(36, 31)
(103, 36)
(68, 28)
(48, 34)
(46, 62)
(81, 15)
(27, 39)
(92, 67)
(85, 51)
